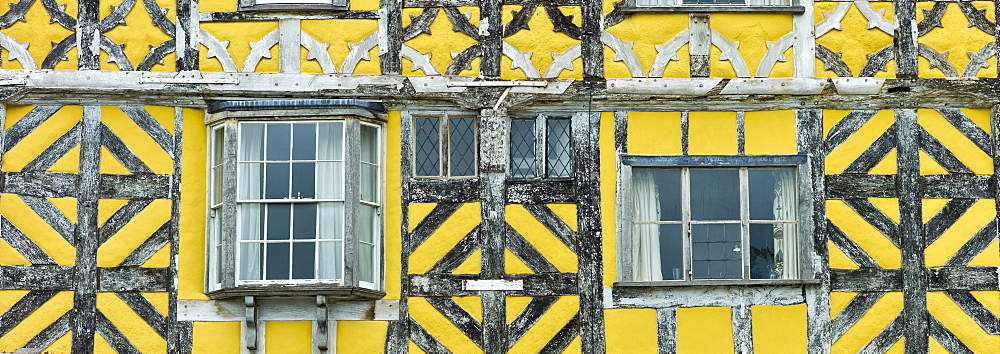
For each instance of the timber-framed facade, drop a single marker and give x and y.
(106, 169)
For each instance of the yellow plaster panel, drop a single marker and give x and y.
(438, 326)
(418, 211)
(138, 140)
(35, 228)
(138, 332)
(159, 300)
(514, 265)
(889, 206)
(217, 6)
(361, 336)
(444, 238)
(41, 138)
(547, 326)
(39, 34)
(364, 5)
(36, 321)
(134, 233)
(712, 133)
(631, 330)
(964, 149)
(514, 306)
(539, 236)
(870, 324)
(770, 132)
(393, 208)
(838, 301)
(191, 260)
(839, 259)
(864, 234)
(606, 141)
(754, 33)
(960, 232)
(704, 330)
(240, 35)
(159, 259)
(341, 35)
(942, 39)
(138, 34)
(216, 337)
(855, 39)
(471, 304)
(646, 31)
(566, 212)
(541, 40)
(473, 264)
(857, 143)
(958, 322)
(10, 256)
(989, 256)
(442, 41)
(653, 133)
(110, 164)
(288, 336)
(929, 207)
(779, 329)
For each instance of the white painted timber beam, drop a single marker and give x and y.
(287, 310)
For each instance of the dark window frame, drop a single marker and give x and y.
(541, 149)
(444, 153)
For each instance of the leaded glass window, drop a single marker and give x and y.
(444, 145)
(541, 146)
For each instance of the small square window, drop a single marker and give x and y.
(692, 221)
(541, 147)
(444, 146)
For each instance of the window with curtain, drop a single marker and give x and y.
(307, 205)
(706, 223)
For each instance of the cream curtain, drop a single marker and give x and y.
(784, 209)
(645, 237)
(249, 185)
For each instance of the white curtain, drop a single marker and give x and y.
(249, 182)
(330, 185)
(645, 237)
(785, 209)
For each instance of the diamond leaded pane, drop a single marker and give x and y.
(462, 146)
(522, 148)
(558, 148)
(426, 157)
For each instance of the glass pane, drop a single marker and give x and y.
(218, 149)
(716, 251)
(426, 146)
(329, 180)
(303, 260)
(330, 260)
(366, 271)
(304, 224)
(522, 148)
(366, 224)
(770, 246)
(251, 221)
(304, 141)
(715, 194)
(369, 183)
(251, 261)
(251, 142)
(251, 180)
(277, 261)
(656, 194)
(331, 220)
(276, 184)
(216, 185)
(772, 194)
(303, 180)
(279, 143)
(278, 221)
(462, 136)
(559, 148)
(658, 252)
(369, 144)
(331, 141)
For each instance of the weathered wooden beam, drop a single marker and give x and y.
(144, 279)
(809, 141)
(905, 42)
(52, 332)
(985, 318)
(287, 309)
(85, 234)
(541, 192)
(527, 253)
(911, 230)
(243, 16)
(586, 127)
(974, 246)
(145, 309)
(47, 277)
(493, 228)
(133, 186)
(464, 190)
(461, 318)
(591, 46)
(963, 278)
(666, 324)
(865, 279)
(888, 336)
(636, 295)
(945, 218)
(24, 245)
(549, 284)
(186, 37)
(114, 336)
(850, 314)
(120, 218)
(564, 337)
(466, 3)
(945, 337)
(423, 339)
(457, 254)
(430, 223)
(529, 316)
(849, 247)
(24, 306)
(553, 223)
(390, 36)
(957, 186)
(39, 184)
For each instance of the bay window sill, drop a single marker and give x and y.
(333, 292)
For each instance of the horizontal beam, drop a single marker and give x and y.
(714, 160)
(398, 91)
(541, 192)
(938, 279)
(275, 309)
(48, 277)
(64, 185)
(535, 284)
(859, 186)
(698, 296)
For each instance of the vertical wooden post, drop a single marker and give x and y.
(701, 40)
(905, 38)
(490, 37)
(85, 296)
(591, 47)
(289, 44)
(804, 41)
(493, 228)
(174, 341)
(586, 154)
(666, 323)
(809, 129)
(391, 36)
(398, 334)
(911, 231)
(88, 36)
(187, 35)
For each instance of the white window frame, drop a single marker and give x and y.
(223, 280)
(802, 263)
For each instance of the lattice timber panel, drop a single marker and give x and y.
(912, 230)
(89, 224)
